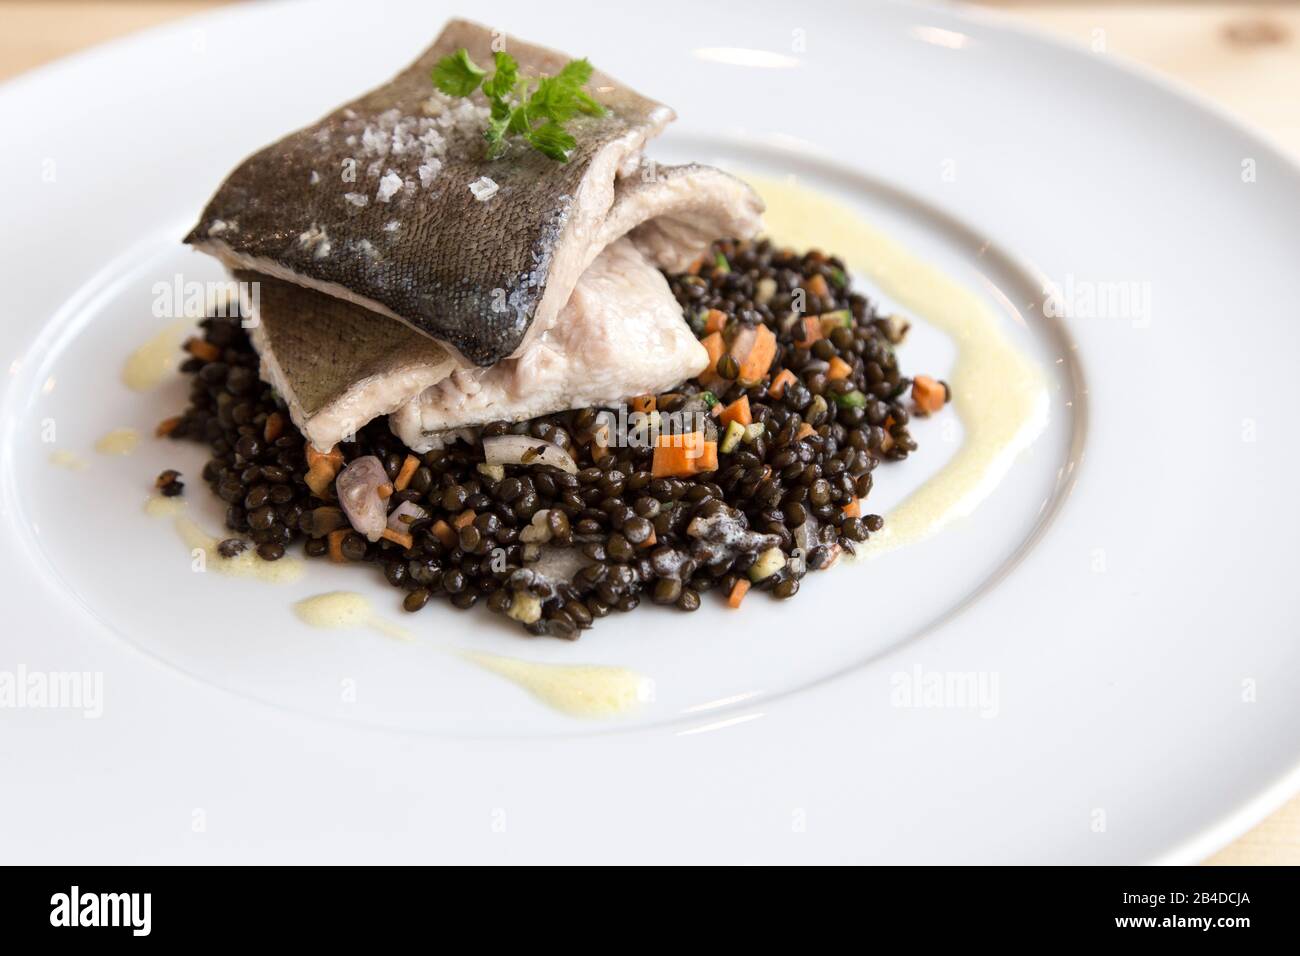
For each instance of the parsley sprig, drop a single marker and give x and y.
(535, 109)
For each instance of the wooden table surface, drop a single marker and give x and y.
(1244, 56)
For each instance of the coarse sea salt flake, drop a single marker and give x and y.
(483, 188)
(429, 172)
(388, 186)
(315, 177)
(314, 238)
(357, 199)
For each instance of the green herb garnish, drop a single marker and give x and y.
(709, 399)
(535, 109)
(853, 399)
(720, 262)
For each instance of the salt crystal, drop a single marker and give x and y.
(357, 199)
(389, 185)
(429, 172)
(374, 142)
(483, 188)
(392, 226)
(217, 227)
(314, 238)
(315, 177)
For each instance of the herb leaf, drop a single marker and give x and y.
(553, 140)
(535, 110)
(457, 74)
(503, 80)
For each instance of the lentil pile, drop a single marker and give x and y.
(792, 439)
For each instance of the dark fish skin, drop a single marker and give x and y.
(468, 273)
(336, 365)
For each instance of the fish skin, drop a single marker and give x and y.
(472, 274)
(337, 366)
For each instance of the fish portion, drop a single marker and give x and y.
(338, 365)
(390, 287)
(620, 334)
(373, 204)
(334, 365)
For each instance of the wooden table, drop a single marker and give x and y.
(1244, 56)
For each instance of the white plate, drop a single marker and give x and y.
(1127, 585)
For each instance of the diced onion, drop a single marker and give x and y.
(523, 450)
(409, 510)
(358, 489)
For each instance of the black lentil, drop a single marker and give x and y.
(810, 458)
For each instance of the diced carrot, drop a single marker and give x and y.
(333, 456)
(714, 345)
(853, 509)
(336, 544)
(645, 404)
(738, 592)
(812, 330)
(464, 519)
(737, 411)
(695, 267)
(444, 533)
(384, 491)
(754, 365)
(320, 479)
(407, 472)
(817, 286)
(669, 462)
(201, 349)
(804, 431)
(838, 368)
(707, 459)
(679, 456)
(403, 538)
(928, 394)
(274, 427)
(887, 442)
(714, 320)
(653, 539)
(783, 378)
(167, 426)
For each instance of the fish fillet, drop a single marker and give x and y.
(338, 366)
(383, 274)
(334, 365)
(620, 334)
(373, 204)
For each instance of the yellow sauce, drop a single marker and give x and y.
(120, 441)
(246, 564)
(580, 690)
(148, 365)
(159, 506)
(999, 394)
(66, 459)
(345, 609)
